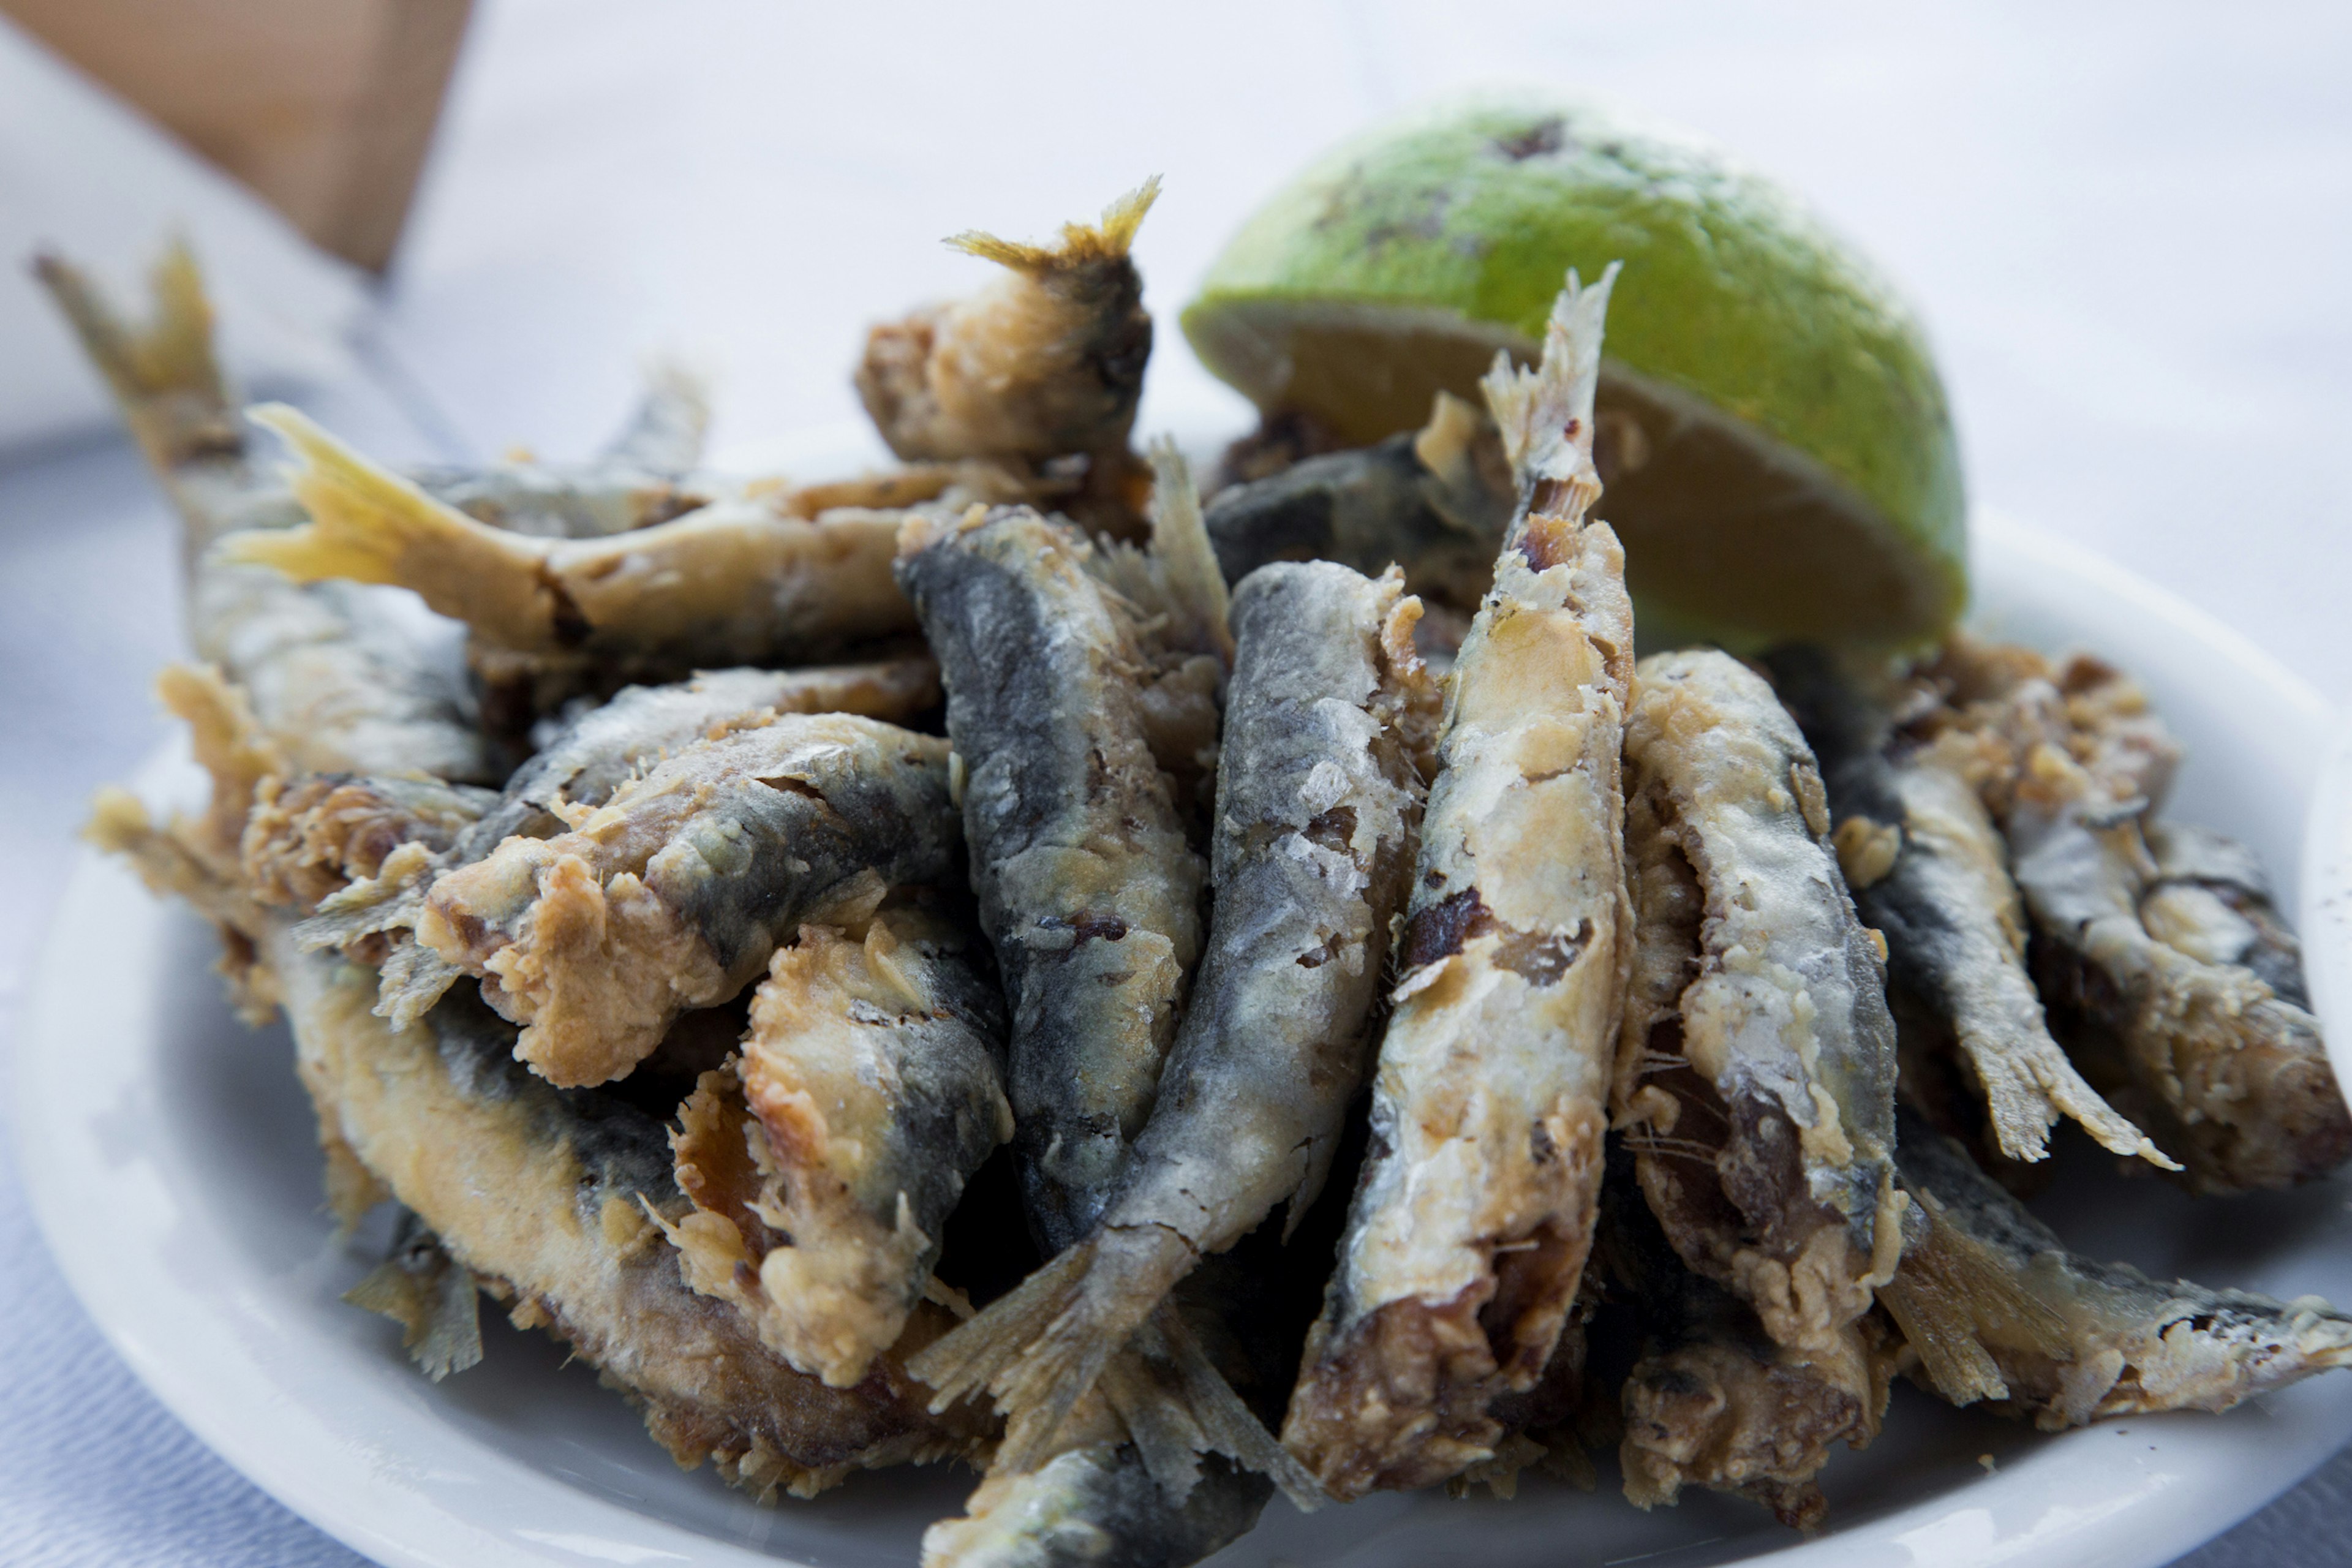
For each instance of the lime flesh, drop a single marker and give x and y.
(1775, 445)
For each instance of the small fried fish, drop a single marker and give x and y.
(1088, 889)
(1999, 1310)
(2224, 1073)
(1758, 1097)
(1318, 802)
(1435, 502)
(343, 679)
(1714, 1400)
(743, 580)
(824, 1161)
(1046, 361)
(1929, 871)
(1471, 1224)
(674, 892)
(578, 767)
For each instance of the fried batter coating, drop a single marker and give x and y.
(1471, 1224)
(1714, 1401)
(310, 837)
(1435, 502)
(1999, 1310)
(1929, 871)
(743, 580)
(1755, 1073)
(823, 1162)
(545, 1192)
(2223, 1073)
(1088, 890)
(1044, 362)
(343, 679)
(1318, 802)
(578, 768)
(674, 893)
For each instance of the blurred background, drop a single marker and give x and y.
(452, 229)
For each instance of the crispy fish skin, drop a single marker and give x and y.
(343, 679)
(309, 837)
(1472, 1221)
(1318, 802)
(2211, 899)
(1046, 361)
(2002, 1311)
(1096, 1504)
(825, 1162)
(674, 893)
(1761, 1102)
(741, 581)
(546, 1192)
(1714, 1401)
(1088, 890)
(2225, 1075)
(1434, 501)
(578, 768)
(1929, 871)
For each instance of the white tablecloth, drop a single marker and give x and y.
(2128, 228)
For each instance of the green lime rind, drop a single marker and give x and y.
(1731, 290)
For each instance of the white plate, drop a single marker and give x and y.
(169, 1155)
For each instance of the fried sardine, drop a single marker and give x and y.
(1756, 1077)
(1474, 1213)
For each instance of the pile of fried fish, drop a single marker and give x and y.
(1672, 1037)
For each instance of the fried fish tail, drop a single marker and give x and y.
(2002, 1311)
(369, 525)
(825, 1160)
(1473, 1217)
(1928, 871)
(1047, 361)
(2224, 1073)
(163, 374)
(664, 434)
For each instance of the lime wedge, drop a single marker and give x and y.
(1777, 448)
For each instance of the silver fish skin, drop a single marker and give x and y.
(1470, 1226)
(1929, 871)
(1759, 1100)
(674, 893)
(2211, 899)
(343, 679)
(1714, 1400)
(1319, 789)
(578, 765)
(1088, 889)
(1999, 1310)
(2224, 1075)
(1434, 501)
(825, 1160)
(1096, 1504)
